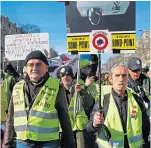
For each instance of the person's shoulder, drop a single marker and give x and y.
(21, 78)
(60, 85)
(21, 82)
(143, 76)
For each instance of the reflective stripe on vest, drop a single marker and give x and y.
(36, 114)
(72, 108)
(36, 129)
(43, 122)
(135, 138)
(111, 143)
(113, 122)
(114, 143)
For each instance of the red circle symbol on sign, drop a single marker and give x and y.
(100, 36)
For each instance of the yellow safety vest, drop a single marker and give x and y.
(113, 122)
(81, 119)
(43, 122)
(3, 105)
(105, 89)
(93, 91)
(6, 86)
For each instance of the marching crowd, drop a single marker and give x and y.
(38, 111)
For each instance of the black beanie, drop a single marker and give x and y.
(66, 70)
(37, 54)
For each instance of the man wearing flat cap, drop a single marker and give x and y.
(36, 109)
(137, 80)
(84, 102)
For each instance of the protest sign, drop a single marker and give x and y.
(83, 18)
(18, 46)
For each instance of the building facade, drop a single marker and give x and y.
(143, 51)
(9, 28)
(143, 47)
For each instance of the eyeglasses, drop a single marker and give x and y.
(31, 65)
(64, 74)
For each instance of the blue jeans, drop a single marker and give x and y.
(54, 144)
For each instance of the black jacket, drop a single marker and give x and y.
(137, 86)
(30, 92)
(121, 104)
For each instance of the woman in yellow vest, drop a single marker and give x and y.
(36, 109)
(125, 117)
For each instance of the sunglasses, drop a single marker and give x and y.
(64, 74)
(136, 70)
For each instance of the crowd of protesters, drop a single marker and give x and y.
(40, 111)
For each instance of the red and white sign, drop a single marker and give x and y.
(100, 41)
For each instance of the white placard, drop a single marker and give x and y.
(18, 46)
